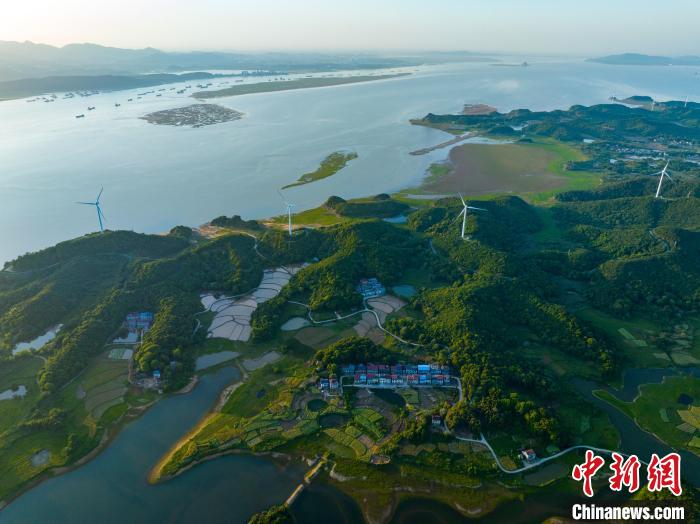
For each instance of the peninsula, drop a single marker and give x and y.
(399, 352)
(288, 85)
(329, 167)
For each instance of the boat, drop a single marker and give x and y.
(79, 116)
(130, 100)
(92, 108)
(117, 105)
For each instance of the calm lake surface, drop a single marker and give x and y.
(113, 489)
(156, 177)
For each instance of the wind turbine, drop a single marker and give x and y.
(653, 104)
(464, 212)
(686, 102)
(96, 203)
(663, 173)
(289, 211)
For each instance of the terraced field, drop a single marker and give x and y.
(102, 386)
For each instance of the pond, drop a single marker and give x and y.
(332, 420)
(38, 342)
(404, 290)
(316, 404)
(214, 359)
(294, 323)
(391, 397)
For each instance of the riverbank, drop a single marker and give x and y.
(110, 434)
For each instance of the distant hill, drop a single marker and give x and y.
(37, 86)
(647, 60)
(20, 60)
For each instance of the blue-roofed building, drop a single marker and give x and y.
(370, 288)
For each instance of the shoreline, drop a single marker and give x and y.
(56, 471)
(154, 474)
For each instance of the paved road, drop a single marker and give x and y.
(539, 462)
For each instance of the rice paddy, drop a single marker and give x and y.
(232, 315)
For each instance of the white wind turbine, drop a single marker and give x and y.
(663, 173)
(100, 214)
(289, 211)
(465, 211)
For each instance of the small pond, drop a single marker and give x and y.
(390, 397)
(38, 342)
(316, 404)
(332, 420)
(214, 359)
(294, 323)
(404, 290)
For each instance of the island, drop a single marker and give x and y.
(195, 115)
(288, 85)
(636, 59)
(329, 167)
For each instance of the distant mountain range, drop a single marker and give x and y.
(20, 60)
(648, 60)
(28, 69)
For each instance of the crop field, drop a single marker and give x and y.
(659, 411)
(370, 421)
(14, 373)
(534, 169)
(103, 386)
(349, 441)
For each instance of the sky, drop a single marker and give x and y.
(577, 27)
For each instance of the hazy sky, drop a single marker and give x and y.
(544, 26)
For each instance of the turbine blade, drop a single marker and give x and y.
(460, 214)
(462, 199)
(86, 203)
(477, 208)
(282, 197)
(100, 194)
(99, 210)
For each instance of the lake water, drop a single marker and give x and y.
(214, 359)
(156, 177)
(634, 440)
(38, 342)
(112, 488)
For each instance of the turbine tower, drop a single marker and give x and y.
(663, 173)
(465, 211)
(289, 212)
(96, 203)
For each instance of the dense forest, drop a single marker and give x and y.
(482, 302)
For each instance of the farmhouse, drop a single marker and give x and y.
(397, 375)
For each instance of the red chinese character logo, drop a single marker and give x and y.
(587, 471)
(665, 473)
(625, 473)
